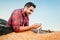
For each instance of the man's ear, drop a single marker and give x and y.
(26, 7)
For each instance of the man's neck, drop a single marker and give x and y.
(24, 9)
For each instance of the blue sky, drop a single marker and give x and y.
(47, 12)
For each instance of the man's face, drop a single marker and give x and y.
(29, 10)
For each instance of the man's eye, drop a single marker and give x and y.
(30, 10)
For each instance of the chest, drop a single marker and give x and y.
(23, 20)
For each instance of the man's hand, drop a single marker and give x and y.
(36, 25)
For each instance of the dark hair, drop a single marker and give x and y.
(29, 4)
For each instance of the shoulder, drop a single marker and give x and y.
(16, 12)
(18, 9)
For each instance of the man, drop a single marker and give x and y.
(19, 19)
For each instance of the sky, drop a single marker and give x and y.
(47, 12)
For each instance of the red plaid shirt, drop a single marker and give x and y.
(17, 19)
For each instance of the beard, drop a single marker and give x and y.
(25, 14)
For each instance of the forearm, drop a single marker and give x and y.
(25, 28)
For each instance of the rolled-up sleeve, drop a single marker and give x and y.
(16, 20)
